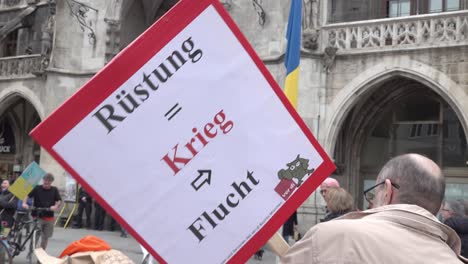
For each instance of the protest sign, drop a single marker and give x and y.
(30, 177)
(188, 141)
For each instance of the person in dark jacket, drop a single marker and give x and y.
(8, 204)
(289, 226)
(453, 214)
(460, 225)
(84, 204)
(99, 215)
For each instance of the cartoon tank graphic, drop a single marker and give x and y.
(297, 168)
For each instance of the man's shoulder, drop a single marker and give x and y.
(355, 230)
(339, 226)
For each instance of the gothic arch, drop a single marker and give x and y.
(23, 110)
(370, 79)
(10, 93)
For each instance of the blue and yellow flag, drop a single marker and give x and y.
(30, 177)
(293, 51)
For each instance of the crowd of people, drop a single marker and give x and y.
(48, 199)
(408, 220)
(42, 203)
(44, 196)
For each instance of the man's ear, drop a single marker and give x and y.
(388, 192)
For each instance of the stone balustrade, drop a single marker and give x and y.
(12, 3)
(21, 66)
(421, 31)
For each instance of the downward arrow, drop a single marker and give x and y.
(204, 176)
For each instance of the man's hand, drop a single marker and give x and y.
(83, 199)
(25, 206)
(54, 208)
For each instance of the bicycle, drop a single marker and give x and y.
(13, 244)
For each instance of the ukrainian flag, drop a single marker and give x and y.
(293, 51)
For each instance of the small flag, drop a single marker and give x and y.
(30, 177)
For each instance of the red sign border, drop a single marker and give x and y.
(124, 65)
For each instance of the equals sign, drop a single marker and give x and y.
(171, 112)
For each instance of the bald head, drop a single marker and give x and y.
(420, 179)
(326, 184)
(330, 182)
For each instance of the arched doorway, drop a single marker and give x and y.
(17, 149)
(401, 115)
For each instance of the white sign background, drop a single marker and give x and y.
(124, 167)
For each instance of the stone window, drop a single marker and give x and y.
(398, 8)
(436, 6)
(346, 10)
(9, 46)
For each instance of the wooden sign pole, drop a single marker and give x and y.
(278, 245)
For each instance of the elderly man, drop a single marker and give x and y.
(326, 184)
(451, 209)
(401, 228)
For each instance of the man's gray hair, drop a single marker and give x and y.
(420, 179)
(456, 207)
(465, 204)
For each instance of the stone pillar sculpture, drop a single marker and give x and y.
(47, 32)
(310, 24)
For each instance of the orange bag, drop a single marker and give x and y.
(87, 243)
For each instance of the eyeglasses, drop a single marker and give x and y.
(369, 193)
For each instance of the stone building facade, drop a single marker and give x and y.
(377, 78)
(48, 50)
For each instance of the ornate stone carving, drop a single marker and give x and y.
(310, 14)
(86, 17)
(12, 2)
(21, 66)
(310, 25)
(430, 30)
(112, 38)
(310, 39)
(257, 4)
(329, 58)
(47, 30)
